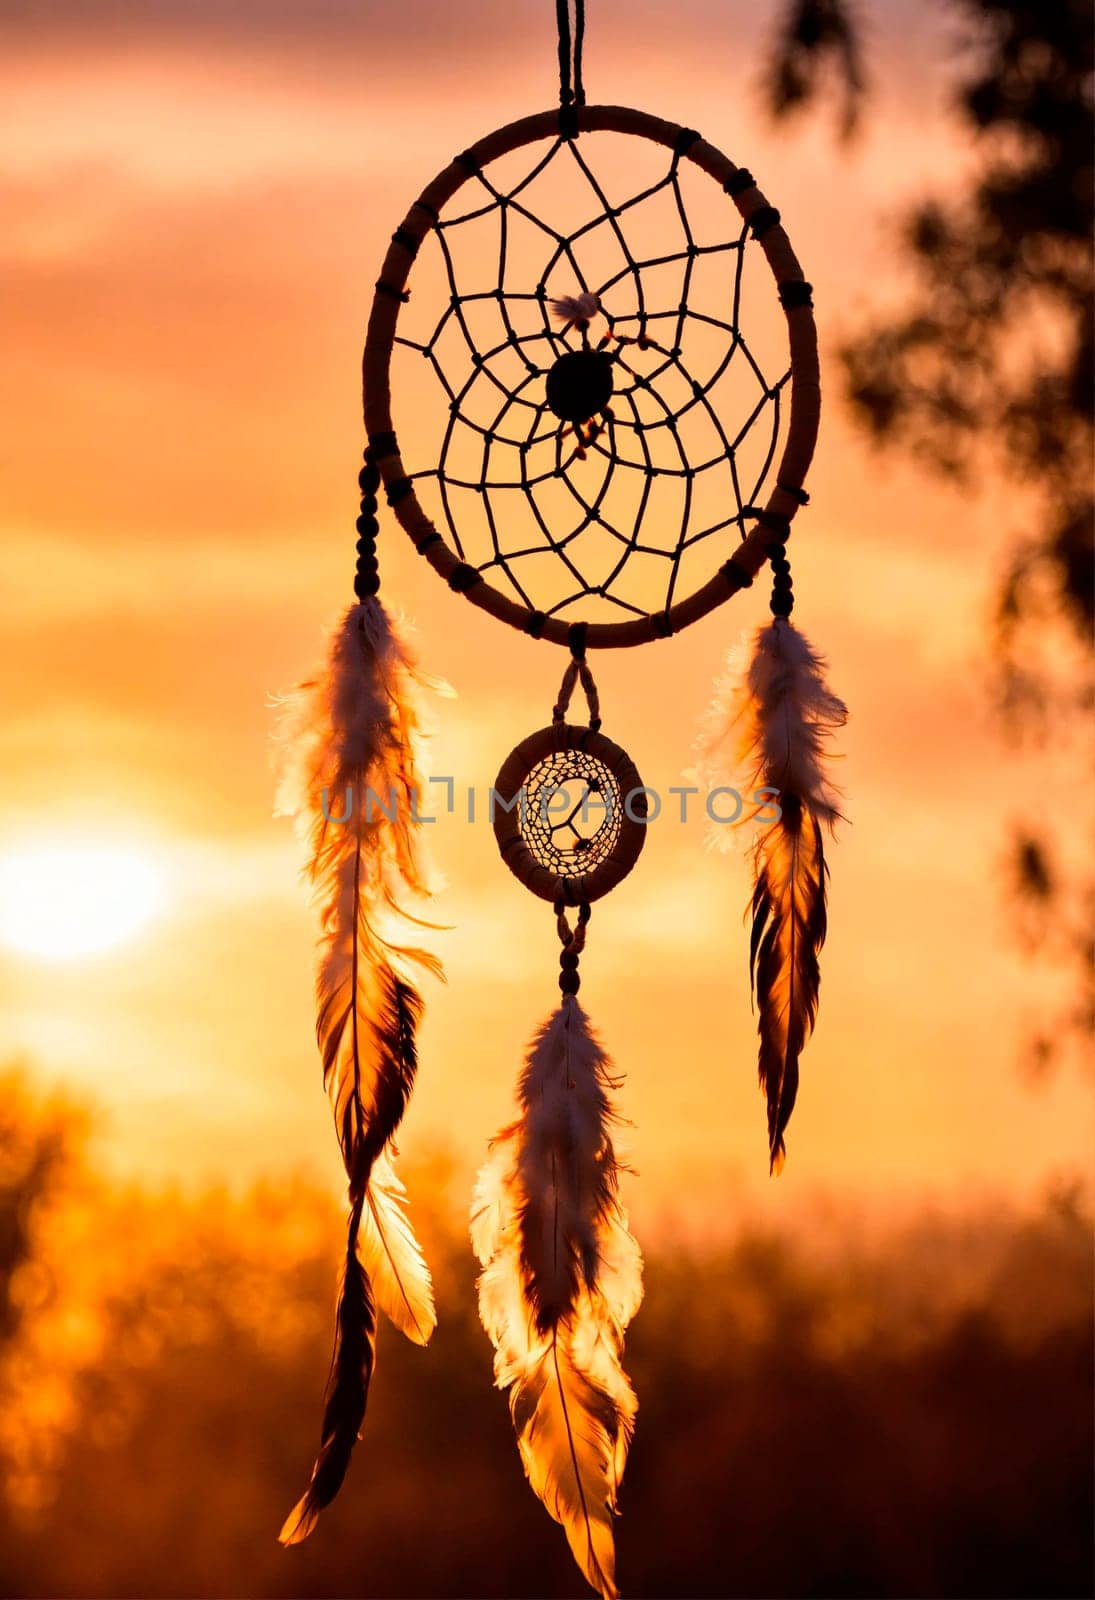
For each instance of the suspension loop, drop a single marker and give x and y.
(578, 671)
(572, 939)
(571, 88)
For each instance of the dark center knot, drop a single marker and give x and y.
(579, 385)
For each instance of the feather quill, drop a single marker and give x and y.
(561, 1280)
(350, 783)
(777, 720)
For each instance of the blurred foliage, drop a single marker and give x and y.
(992, 359)
(909, 1414)
(817, 45)
(41, 1146)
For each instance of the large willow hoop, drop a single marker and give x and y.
(805, 395)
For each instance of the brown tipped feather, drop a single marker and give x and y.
(777, 719)
(347, 1392)
(351, 789)
(561, 1280)
(789, 922)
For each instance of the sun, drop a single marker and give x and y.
(61, 902)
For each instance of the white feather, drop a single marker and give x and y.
(562, 1277)
(392, 1256)
(349, 780)
(561, 1158)
(351, 734)
(768, 729)
(768, 724)
(575, 307)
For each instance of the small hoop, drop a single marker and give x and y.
(534, 772)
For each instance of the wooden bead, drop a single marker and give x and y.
(569, 961)
(369, 479)
(569, 982)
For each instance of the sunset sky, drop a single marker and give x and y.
(194, 203)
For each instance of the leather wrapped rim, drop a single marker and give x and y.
(515, 770)
(805, 406)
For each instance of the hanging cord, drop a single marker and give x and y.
(573, 941)
(571, 88)
(578, 671)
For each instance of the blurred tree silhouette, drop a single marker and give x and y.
(817, 41)
(42, 1143)
(995, 357)
(911, 1415)
(43, 1180)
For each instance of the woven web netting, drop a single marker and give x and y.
(634, 519)
(571, 815)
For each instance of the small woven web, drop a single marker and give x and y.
(570, 819)
(641, 516)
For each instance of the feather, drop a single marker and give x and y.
(352, 734)
(789, 925)
(392, 1255)
(781, 714)
(575, 307)
(561, 1280)
(347, 1392)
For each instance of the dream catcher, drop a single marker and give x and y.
(591, 398)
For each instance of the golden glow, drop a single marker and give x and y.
(192, 233)
(61, 902)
